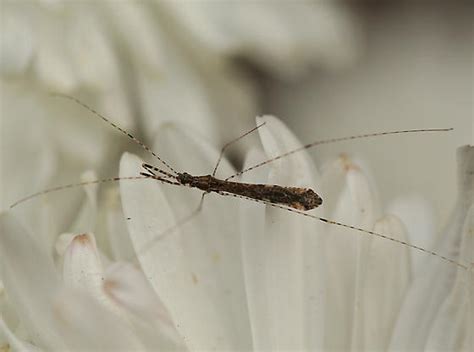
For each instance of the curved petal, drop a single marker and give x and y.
(418, 215)
(17, 41)
(82, 266)
(131, 292)
(282, 37)
(347, 252)
(26, 268)
(386, 281)
(211, 241)
(170, 265)
(117, 234)
(452, 328)
(88, 326)
(13, 342)
(285, 288)
(428, 294)
(253, 242)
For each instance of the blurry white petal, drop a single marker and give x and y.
(452, 328)
(347, 253)
(86, 217)
(12, 341)
(129, 287)
(139, 32)
(117, 234)
(90, 50)
(283, 37)
(88, 326)
(52, 64)
(418, 216)
(386, 281)
(27, 269)
(16, 41)
(19, 158)
(63, 242)
(130, 290)
(165, 100)
(420, 310)
(82, 267)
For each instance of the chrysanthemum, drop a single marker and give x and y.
(101, 270)
(240, 276)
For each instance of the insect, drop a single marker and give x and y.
(294, 199)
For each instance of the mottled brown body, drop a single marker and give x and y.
(294, 197)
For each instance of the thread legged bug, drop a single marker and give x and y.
(294, 199)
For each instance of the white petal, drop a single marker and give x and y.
(211, 241)
(14, 343)
(386, 281)
(17, 41)
(277, 139)
(89, 49)
(86, 217)
(452, 328)
(347, 253)
(139, 33)
(130, 290)
(426, 296)
(117, 234)
(88, 326)
(165, 101)
(27, 269)
(284, 270)
(52, 64)
(252, 219)
(282, 37)
(23, 149)
(82, 266)
(168, 266)
(418, 215)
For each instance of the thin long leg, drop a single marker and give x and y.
(228, 144)
(310, 145)
(358, 229)
(171, 229)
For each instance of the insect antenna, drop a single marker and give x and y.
(228, 144)
(106, 120)
(86, 183)
(333, 140)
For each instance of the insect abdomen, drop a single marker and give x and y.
(294, 197)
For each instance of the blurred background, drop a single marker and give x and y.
(327, 68)
(414, 70)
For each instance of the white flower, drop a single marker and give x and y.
(142, 64)
(91, 272)
(240, 276)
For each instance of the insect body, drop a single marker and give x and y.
(293, 197)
